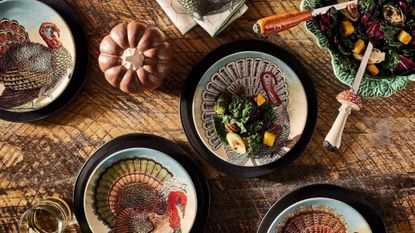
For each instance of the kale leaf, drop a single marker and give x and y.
(256, 126)
(264, 121)
(267, 116)
(242, 108)
(220, 129)
(254, 144)
(392, 60)
(367, 5)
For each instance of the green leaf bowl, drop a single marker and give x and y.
(345, 69)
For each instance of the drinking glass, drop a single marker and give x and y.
(51, 215)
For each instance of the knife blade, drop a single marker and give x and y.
(339, 6)
(362, 69)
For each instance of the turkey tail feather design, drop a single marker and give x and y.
(127, 176)
(11, 33)
(11, 98)
(139, 195)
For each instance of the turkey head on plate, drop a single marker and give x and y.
(30, 70)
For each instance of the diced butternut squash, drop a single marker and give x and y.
(373, 70)
(269, 138)
(359, 45)
(347, 27)
(404, 37)
(260, 100)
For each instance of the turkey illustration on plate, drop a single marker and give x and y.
(140, 195)
(248, 109)
(316, 215)
(140, 190)
(313, 219)
(32, 73)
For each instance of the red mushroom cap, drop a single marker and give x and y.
(349, 97)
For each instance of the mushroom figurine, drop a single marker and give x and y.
(349, 101)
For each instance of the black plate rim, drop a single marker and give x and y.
(151, 142)
(186, 99)
(345, 195)
(79, 75)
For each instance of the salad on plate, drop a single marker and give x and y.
(246, 124)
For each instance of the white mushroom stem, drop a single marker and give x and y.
(333, 139)
(350, 101)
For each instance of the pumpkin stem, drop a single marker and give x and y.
(132, 59)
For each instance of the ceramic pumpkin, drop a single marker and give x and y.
(135, 58)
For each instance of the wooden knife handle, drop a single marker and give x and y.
(278, 23)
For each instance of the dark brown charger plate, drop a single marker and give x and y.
(79, 75)
(203, 66)
(335, 192)
(151, 142)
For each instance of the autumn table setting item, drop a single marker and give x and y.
(52, 214)
(44, 58)
(345, 27)
(248, 108)
(135, 57)
(348, 29)
(350, 102)
(141, 182)
(387, 24)
(214, 16)
(285, 21)
(322, 208)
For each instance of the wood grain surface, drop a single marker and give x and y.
(377, 158)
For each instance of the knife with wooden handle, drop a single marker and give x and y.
(278, 23)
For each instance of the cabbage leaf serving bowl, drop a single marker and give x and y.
(345, 68)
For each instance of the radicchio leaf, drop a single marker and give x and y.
(326, 22)
(373, 27)
(404, 65)
(406, 8)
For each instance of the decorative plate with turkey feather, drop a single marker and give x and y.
(320, 215)
(246, 106)
(38, 58)
(140, 189)
(321, 208)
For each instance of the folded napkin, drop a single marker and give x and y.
(212, 15)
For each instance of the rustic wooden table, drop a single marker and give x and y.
(377, 159)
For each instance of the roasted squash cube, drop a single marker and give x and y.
(404, 37)
(347, 27)
(373, 70)
(260, 100)
(269, 138)
(359, 45)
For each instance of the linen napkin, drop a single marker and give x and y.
(212, 15)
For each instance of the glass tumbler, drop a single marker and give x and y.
(51, 215)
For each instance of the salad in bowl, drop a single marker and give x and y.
(388, 24)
